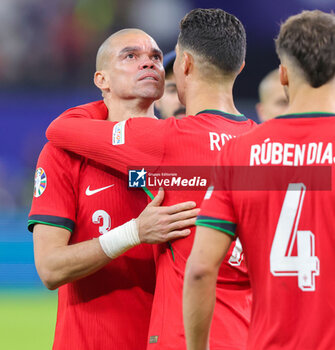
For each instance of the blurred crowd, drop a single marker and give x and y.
(48, 43)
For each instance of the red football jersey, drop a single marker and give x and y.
(286, 229)
(111, 308)
(192, 141)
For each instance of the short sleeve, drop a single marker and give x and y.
(54, 197)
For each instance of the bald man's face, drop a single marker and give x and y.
(169, 105)
(131, 65)
(274, 102)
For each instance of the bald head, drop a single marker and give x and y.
(264, 88)
(106, 47)
(129, 67)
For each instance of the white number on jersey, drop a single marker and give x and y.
(305, 265)
(101, 215)
(237, 254)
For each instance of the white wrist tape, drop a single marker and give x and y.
(120, 239)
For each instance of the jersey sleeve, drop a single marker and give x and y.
(136, 142)
(54, 200)
(94, 110)
(217, 210)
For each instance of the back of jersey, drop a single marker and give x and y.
(194, 143)
(288, 233)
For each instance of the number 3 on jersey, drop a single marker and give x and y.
(305, 265)
(103, 218)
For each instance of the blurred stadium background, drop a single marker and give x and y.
(47, 60)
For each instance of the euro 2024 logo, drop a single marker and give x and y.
(40, 182)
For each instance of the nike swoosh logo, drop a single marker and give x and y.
(91, 192)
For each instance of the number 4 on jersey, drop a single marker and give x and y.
(305, 265)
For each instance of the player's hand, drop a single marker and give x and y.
(158, 224)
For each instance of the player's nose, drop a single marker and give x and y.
(146, 63)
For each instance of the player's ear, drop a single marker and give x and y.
(100, 80)
(241, 68)
(283, 75)
(188, 63)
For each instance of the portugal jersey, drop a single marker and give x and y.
(193, 141)
(109, 309)
(286, 228)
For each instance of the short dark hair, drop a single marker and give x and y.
(309, 38)
(216, 35)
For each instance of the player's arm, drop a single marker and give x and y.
(58, 263)
(135, 142)
(216, 225)
(209, 248)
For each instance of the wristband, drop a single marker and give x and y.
(120, 239)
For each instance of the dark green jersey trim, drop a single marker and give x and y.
(32, 223)
(50, 220)
(215, 228)
(172, 252)
(148, 192)
(209, 218)
(236, 117)
(223, 225)
(306, 115)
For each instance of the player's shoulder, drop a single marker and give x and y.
(91, 110)
(149, 122)
(53, 153)
(174, 126)
(252, 123)
(187, 121)
(258, 133)
(221, 118)
(52, 150)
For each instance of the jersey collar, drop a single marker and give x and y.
(306, 115)
(236, 117)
